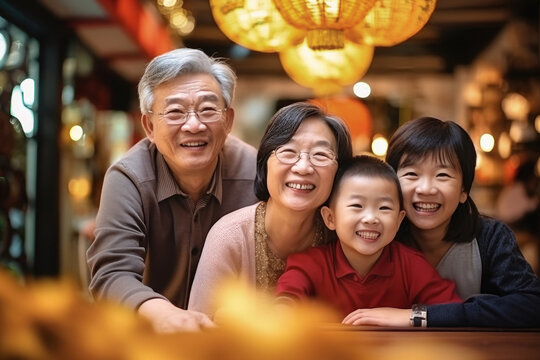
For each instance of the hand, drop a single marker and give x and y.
(167, 318)
(384, 316)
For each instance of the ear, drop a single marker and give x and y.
(229, 119)
(463, 197)
(148, 126)
(328, 217)
(401, 215)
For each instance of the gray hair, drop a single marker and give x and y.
(177, 62)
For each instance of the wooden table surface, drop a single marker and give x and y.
(444, 343)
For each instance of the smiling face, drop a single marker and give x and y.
(193, 147)
(366, 215)
(303, 186)
(432, 190)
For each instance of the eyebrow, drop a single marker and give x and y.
(380, 198)
(205, 97)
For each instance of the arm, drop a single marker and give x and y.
(117, 258)
(511, 290)
(117, 255)
(383, 316)
(295, 283)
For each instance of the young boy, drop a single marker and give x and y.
(365, 268)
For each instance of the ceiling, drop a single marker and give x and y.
(455, 34)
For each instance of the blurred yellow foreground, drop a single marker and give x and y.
(52, 320)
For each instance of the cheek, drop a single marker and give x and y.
(273, 176)
(407, 190)
(272, 170)
(327, 178)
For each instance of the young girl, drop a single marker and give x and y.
(435, 162)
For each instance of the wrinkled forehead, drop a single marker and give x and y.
(443, 157)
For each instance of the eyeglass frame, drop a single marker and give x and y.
(194, 112)
(299, 156)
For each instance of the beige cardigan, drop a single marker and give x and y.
(229, 252)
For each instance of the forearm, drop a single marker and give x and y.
(511, 311)
(122, 288)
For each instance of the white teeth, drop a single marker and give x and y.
(301, 186)
(193, 144)
(368, 234)
(426, 206)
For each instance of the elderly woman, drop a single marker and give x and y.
(296, 164)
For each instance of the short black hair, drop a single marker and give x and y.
(369, 166)
(282, 127)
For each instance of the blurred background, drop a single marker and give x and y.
(69, 107)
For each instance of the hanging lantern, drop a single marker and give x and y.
(390, 22)
(324, 20)
(255, 24)
(326, 71)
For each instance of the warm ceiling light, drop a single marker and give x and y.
(487, 142)
(76, 133)
(472, 94)
(80, 187)
(390, 22)
(324, 20)
(515, 106)
(255, 24)
(505, 145)
(326, 71)
(182, 21)
(169, 3)
(361, 89)
(379, 145)
(178, 18)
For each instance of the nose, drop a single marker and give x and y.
(303, 165)
(425, 186)
(192, 123)
(369, 217)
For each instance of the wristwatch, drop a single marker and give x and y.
(419, 315)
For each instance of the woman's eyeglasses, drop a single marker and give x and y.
(317, 156)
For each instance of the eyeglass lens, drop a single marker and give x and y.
(317, 156)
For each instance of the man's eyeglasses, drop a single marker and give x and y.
(317, 156)
(180, 116)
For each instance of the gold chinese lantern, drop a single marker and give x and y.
(255, 24)
(326, 71)
(390, 22)
(324, 20)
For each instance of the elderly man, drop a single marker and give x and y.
(159, 201)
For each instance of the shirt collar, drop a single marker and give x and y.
(381, 268)
(167, 185)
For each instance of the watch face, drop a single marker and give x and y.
(419, 316)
